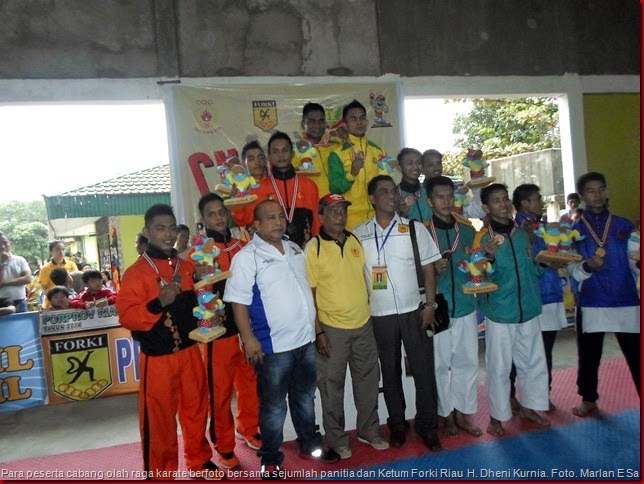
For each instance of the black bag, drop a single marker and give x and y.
(441, 313)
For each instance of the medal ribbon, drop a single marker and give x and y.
(491, 232)
(432, 230)
(600, 242)
(289, 215)
(154, 266)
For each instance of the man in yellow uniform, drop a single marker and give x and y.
(316, 145)
(354, 163)
(343, 329)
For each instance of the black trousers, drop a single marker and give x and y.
(390, 331)
(589, 351)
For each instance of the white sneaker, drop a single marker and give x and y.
(343, 452)
(377, 442)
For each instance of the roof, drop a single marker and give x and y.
(130, 194)
(150, 180)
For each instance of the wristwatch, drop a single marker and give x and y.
(433, 304)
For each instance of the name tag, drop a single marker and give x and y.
(379, 277)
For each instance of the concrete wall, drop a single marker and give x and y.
(87, 39)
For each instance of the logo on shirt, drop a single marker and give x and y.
(403, 229)
(268, 261)
(355, 252)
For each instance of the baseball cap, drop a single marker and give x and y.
(330, 199)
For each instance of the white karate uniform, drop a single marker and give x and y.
(523, 344)
(456, 365)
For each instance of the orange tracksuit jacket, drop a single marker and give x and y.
(173, 379)
(306, 203)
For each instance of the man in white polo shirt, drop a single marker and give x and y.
(390, 271)
(275, 314)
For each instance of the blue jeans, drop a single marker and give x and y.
(293, 374)
(21, 307)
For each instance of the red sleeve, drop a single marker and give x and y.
(139, 286)
(245, 215)
(77, 303)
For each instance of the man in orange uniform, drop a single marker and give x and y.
(155, 303)
(297, 195)
(226, 363)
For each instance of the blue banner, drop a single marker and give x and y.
(22, 371)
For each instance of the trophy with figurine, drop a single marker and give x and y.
(204, 251)
(476, 164)
(478, 267)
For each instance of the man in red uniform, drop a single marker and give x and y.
(155, 303)
(226, 363)
(297, 195)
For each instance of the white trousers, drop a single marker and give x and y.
(523, 344)
(456, 364)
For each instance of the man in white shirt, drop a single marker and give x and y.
(15, 274)
(395, 299)
(275, 314)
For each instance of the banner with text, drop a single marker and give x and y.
(207, 125)
(22, 372)
(88, 354)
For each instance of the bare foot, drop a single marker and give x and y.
(584, 409)
(463, 422)
(533, 416)
(495, 428)
(515, 405)
(451, 430)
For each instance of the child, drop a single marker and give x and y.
(456, 361)
(61, 277)
(608, 298)
(224, 357)
(413, 197)
(58, 297)
(527, 202)
(155, 302)
(95, 294)
(512, 331)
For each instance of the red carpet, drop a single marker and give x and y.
(124, 461)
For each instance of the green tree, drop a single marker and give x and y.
(25, 224)
(505, 127)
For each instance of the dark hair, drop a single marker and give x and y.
(183, 228)
(439, 181)
(352, 105)
(523, 192)
(55, 290)
(251, 145)
(312, 107)
(59, 276)
(54, 243)
(108, 274)
(432, 153)
(572, 195)
(407, 151)
(259, 208)
(588, 177)
(141, 239)
(156, 211)
(206, 199)
(486, 191)
(279, 135)
(373, 183)
(91, 274)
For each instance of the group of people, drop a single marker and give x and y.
(343, 270)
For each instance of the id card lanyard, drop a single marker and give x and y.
(154, 266)
(384, 240)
